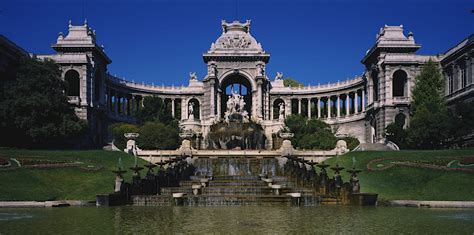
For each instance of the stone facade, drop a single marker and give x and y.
(361, 107)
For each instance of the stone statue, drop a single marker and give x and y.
(118, 183)
(192, 76)
(281, 111)
(191, 111)
(279, 76)
(235, 105)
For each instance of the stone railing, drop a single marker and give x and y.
(143, 86)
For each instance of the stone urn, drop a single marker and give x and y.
(131, 147)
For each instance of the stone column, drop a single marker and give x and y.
(338, 106)
(116, 104)
(259, 99)
(471, 68)
(348, 104)
(363, 98)
(288, 107)
(133, 105)
(271, 110)
(356, 102)
(319, 107)
(219, 105)
(309, 108)
(109, 101)
(172, 107)
(299, 106)
(212, 101)
(128, 105)
(184, 110)
(329, 106)
(119, 103)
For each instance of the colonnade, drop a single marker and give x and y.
(330, 106)
(125, 104)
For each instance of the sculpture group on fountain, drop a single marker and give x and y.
(236, 107)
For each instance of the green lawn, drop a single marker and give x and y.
(61, 183)
(400, 182)
(397, 182)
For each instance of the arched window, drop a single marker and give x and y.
(72, 79)
(236, 83)
(399, 83)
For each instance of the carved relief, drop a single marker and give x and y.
(234, 43)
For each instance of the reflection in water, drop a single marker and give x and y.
(14, 216)
(236, 220)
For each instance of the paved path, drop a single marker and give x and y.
(433, 204)
(32, 204)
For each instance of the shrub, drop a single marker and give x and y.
(118, 130)
(352, 142)
(156, 135)
(310, 134)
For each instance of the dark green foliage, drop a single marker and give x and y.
(118, 130)
(154, 109)
(157, 135)
(396, 133)
(352, 142)
(289, 82)
(429, 123)
(310, 134)
(461, 122)
(34, 110)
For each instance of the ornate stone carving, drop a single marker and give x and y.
(236, 42)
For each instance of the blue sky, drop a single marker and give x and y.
(161, 41)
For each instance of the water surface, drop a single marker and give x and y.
(236, 220)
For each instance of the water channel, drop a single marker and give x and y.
(236, 220)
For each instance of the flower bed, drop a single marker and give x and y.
(381, 164)
(467, 160)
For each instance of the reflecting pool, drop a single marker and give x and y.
(236, 220)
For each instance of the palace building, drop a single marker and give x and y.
(236, 79)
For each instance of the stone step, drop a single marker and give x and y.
(223, 200)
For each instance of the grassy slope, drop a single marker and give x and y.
(61, 183)
(73, 183)
(411, 183)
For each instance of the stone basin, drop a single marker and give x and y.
(294, 194)
(204, 181)
(268, 181)
(178, 195)
(276, 188)
(196, 189)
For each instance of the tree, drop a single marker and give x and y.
(34, 108)
(289, 82)
(429, 122)
(156, 135)
(310, 134)
(395, 132)
(154, 109)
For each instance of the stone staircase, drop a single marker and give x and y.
(227, 190)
